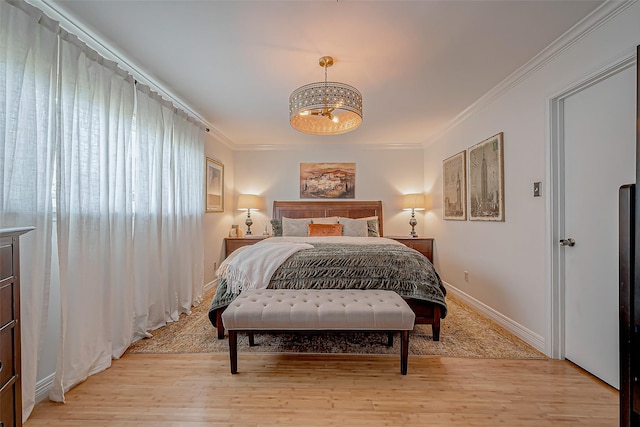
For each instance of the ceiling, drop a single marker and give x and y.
(418, 64)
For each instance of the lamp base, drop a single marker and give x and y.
(248, 223)
(413, 222)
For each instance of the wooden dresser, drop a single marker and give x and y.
(10, 382)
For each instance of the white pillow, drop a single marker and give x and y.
(326, 220)
(295, 227)
(354, 227)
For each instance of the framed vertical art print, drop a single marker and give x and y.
(454, 191)
(486, 180)
(214, 183)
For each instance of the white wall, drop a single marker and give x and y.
(381, 174)
(507, 262)
(215, 225)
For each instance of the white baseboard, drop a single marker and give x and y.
(526, 335)
(43, 386)
(210, 285)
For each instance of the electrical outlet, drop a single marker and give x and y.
(466, 276)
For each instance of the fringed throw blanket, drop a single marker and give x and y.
(254, 265)
(351, 266)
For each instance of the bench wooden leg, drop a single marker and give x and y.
(233, 351)
(219, 324)
(251, 340)
(389, 339)
(404, 352)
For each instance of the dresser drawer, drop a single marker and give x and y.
(8, 406)
(6, 303)
(419, 246)
(7, 370)
(6, 259)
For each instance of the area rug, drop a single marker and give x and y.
(464, 333)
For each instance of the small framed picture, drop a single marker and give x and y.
(214, 191)
(454, 182)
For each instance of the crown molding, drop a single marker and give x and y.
(593, 21)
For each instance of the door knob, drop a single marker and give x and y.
(567, 242)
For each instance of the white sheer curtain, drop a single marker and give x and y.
(189, 198)
(153, 139)
(168, 214)
(27, 60)
(94, 215)
(128, 209)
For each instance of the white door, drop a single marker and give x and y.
(599, 142)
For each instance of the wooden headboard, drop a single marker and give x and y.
(317, 209)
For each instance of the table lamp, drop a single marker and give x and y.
(413, 202)
(248, 202)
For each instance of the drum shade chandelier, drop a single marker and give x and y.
(325, 108)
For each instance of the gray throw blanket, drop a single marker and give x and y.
(348, 266)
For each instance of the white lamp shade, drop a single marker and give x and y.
(413, 201)
(249, 201)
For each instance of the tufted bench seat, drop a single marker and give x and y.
(285, 310)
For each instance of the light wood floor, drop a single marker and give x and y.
(320, 390)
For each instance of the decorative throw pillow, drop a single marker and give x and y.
(295, 227)
(325, 220)
(276, 227)
(325, 229)
(373, 228)
(354, 227)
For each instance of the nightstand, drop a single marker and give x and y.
(423, 245)
(233, 243)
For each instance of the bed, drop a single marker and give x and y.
(410, 274)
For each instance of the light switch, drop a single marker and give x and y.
(537, 189)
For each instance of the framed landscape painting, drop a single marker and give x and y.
(486, 180)
(454, 191)
(214, 191)
(327, 180)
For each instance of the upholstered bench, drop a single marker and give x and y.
(286, 310)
